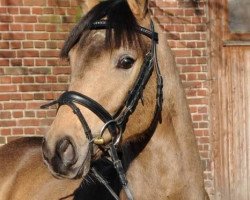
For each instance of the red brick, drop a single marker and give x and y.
(33, 105)
(3, 63)
(201, 60)
(49, 19)
(51, 79)
(26, 19)
(41, 114)
(39, 96)
(24, 10)
(7, 54)
(192, 61)
(48, 10)
(6, 18)
(190, 28)
(63, 3)
(179, 28)
(60, 11)
(37, 11)
(27, 96)
(13, 36)
(37, 36)
(62, 87)
(8, 123)
(61, 70)
(40, 70)
(8, 88)
(15, 96)
(30, 88)
(182, 53)
(37, 3)
(49, 53)
(14, 106)
(17, 114)
(16, 62)
(71, 11)
(51, 28)
(40, 79)
(196, 20)
(15, 27)
(5, 80)
(4, 45)
(17, 131)
(15, 45)
(12, 2)
(28, 27)
(3, 10)
(40, 62)
(39, 45)
(5, 131)
(28, 44)
(190, 36)
(28, 122)
(28, 62)
(51, 45)
(191, 44)
(39, 27)
(5, 115)
(58, 36)
(52, 62)
(29, 131)
(4, 27)
(63, 79)
(202, 93)
(28, 79)
(29, 114)
(28, 53)
(13, 10)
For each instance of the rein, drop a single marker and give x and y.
(116, 124)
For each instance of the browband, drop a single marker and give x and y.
(103, 24)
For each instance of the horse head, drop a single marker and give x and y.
(107, 50)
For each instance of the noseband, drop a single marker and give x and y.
(116, 124)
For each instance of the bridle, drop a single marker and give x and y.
(116, 124)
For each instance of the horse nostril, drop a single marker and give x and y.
(66, 151)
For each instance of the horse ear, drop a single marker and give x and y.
(138, 8)
(87, 5)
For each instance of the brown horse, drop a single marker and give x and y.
(157, 146)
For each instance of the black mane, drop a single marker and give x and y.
(121, 25)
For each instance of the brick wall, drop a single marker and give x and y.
(32, 33)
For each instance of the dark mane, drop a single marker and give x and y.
(121, 26)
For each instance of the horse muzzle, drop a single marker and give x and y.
(64, 160)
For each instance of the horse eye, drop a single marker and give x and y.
(125, 62)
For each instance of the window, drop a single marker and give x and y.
(238, 20)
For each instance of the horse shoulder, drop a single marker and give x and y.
(12, 159)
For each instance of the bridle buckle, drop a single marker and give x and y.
(99, 140)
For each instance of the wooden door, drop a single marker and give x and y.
(230, 97)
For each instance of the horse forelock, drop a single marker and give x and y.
(121, 29)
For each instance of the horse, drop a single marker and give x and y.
(123, 129)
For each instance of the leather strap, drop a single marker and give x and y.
(102, 24)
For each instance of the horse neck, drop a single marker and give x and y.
(172, 145)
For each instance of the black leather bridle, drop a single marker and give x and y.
(116, 124)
